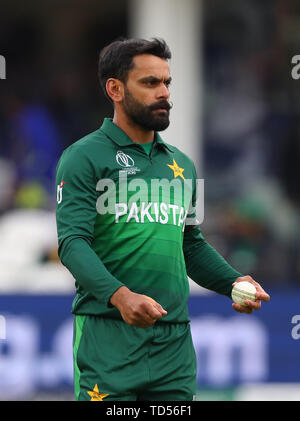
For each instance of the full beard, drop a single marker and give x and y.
(146, 116)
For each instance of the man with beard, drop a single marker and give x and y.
(131, 256)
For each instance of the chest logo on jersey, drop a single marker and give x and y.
(176, 169)
(96, 395)
(124, 160)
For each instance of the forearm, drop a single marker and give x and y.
(206, 266)
(88, 270)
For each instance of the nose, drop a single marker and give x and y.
(163, 92)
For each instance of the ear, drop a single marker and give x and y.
(115, 89)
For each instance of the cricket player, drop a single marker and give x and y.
(128, 233)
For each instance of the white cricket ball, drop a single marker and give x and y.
(243, 291)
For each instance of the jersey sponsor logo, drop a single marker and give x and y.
(124, 160)
(59, 192)
(161, 213)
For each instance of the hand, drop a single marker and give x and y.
(260, 294)
(137, 309)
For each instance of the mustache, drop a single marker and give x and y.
(165, 105)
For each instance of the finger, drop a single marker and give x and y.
(260, 292)
(262, 295)
(152, 311)
(147, 318)
(160, 309)
(156, 305)
(144, 316)
(255, 305)
(242, 309)
(247, 278)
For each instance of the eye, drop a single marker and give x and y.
(151, 83)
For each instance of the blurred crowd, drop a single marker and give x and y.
(252, 136)
(50, 99)
(251, 126)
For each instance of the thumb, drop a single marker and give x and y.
(156, 305)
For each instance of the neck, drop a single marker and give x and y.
(136, 133)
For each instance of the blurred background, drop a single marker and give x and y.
(236, 113)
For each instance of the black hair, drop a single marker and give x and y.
(116, 59)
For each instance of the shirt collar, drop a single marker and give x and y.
(117, 135)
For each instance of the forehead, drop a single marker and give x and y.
(148, 64)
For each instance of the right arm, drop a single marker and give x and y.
(75, 216)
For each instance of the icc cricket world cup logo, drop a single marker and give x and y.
(124, 160)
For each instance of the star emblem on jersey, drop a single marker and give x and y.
(96, 395)
(176, 169)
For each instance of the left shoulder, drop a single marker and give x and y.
(181, 158)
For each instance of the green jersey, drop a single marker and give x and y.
(126, 211)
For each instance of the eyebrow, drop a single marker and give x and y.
(155, 79)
